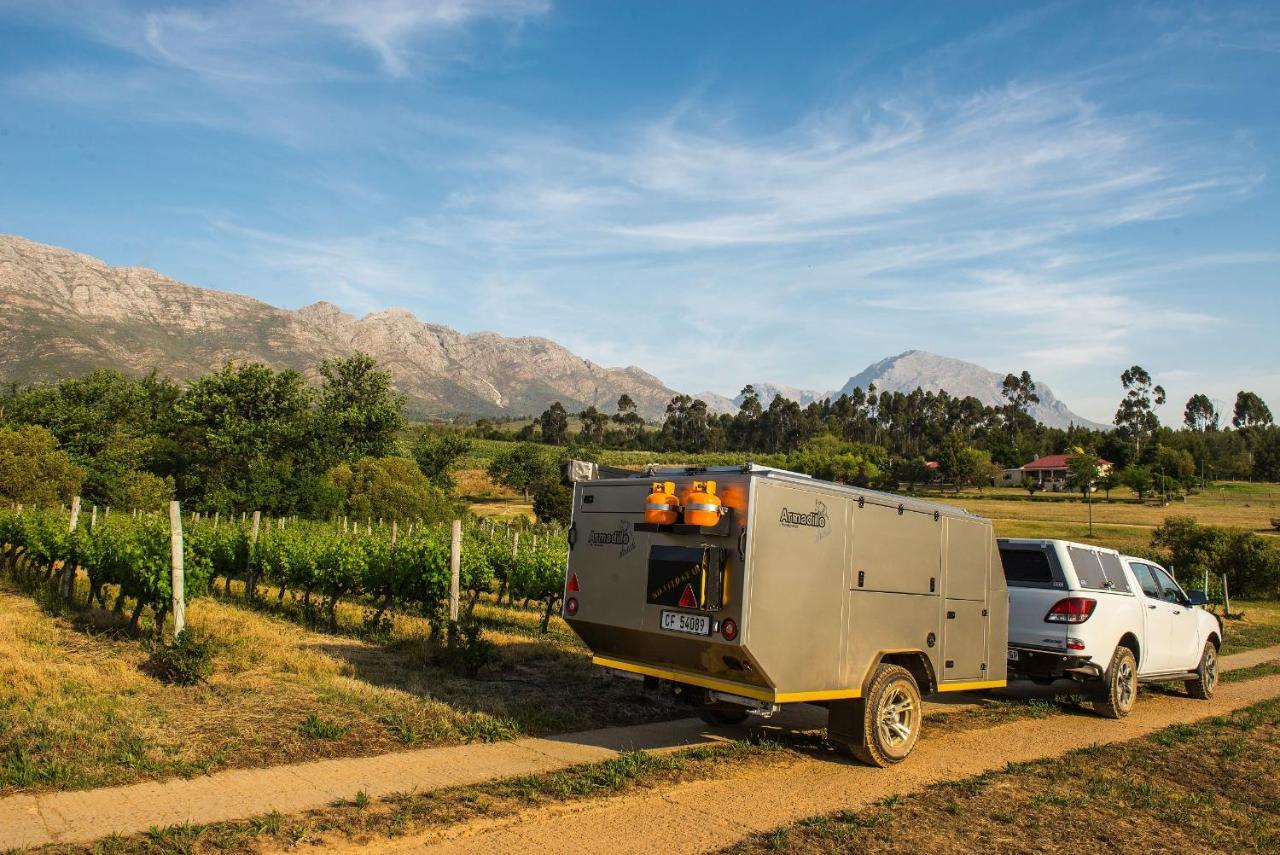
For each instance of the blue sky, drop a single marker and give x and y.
(718, 192)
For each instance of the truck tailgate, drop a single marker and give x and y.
(1027, 626)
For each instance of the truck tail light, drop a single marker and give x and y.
(1074, 643)
(729, 629)
(571, 606)
(1071, 610)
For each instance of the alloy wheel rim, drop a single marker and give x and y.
(1211, 669)
(896, 721)
(1126, 684)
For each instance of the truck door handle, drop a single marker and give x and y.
(1151, 606)
(1177, 611)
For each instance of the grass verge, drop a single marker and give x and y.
(79, 709)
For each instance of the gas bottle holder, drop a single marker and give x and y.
(721, 529)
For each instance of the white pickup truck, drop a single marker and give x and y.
(1106, 620)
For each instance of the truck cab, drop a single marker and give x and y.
(1106, 621)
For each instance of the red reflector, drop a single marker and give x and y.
(687, 599)
(1075, 644)
(573, 583)
(1071, 610)
(571, 607)
(729, 629)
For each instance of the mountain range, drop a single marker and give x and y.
(65, 313)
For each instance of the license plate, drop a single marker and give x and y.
(681, 622)
(1013, 656)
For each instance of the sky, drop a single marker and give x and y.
(718, 192)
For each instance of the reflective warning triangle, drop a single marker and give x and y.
(687, 599)
(573, 583)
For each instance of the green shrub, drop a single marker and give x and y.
(185, 662)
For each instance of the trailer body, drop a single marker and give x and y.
(820, 584)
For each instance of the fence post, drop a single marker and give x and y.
(93, 518)
(1226, 597)
(178, 580)
(455, 569)
(1206, 582)
(394, 532)
(69, 569)
(250, 581)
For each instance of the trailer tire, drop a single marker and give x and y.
(1206, 681)
(720, 717)
(892, 715)
(1120, 685)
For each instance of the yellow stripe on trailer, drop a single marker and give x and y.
(971, 685)
(727, 686)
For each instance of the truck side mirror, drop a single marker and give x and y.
(1197, 598)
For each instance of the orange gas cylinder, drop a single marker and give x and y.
(662, 506)
(702, 507)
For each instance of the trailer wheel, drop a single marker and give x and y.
(721, 717)
(1121, 685)
(891, 718)
(1206, 681)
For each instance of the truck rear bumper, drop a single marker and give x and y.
(1032, 663)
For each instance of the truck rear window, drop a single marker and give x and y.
(1026, 567)
(1100, 571)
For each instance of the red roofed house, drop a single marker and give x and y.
(1051, 470)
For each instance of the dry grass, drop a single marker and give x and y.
(1248, 506)
(78, 709)
(1207, 787)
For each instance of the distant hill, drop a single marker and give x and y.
(64, 314)
(928, 371)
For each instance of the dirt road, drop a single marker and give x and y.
(703, 815)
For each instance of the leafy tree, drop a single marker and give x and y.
(521, 468)
(628, 420)
(1136, 415)
(912, 471)
(248, 439)
(437, 454)
(833, 459)
(1175, 463)
(964, 466)
(552, 501)
(593, 426)
(1200, 414)
(142, 490)
(33, 470)
(393, 488)
(1109, 480)
(1032, 485)
(1138, 479)
(1250, 411)
(1020, 391)
(360, 411)
(1082, 471)
(555, 424)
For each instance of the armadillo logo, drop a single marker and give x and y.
(817, 518)
(620, 537)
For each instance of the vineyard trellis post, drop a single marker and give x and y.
(1226, 597)
(455, 568)
(93, 518)
(248, 561)
(177, 580)
(69, 567)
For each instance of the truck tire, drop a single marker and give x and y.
(1120, 685)
(1206, 681)
(891, 721)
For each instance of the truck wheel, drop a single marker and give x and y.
(1206, 681)
(1121, 685)
(891, 721)
(721, 717)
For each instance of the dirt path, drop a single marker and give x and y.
(706, 815)
(87, 815)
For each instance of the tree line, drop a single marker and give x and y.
(896, 433)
